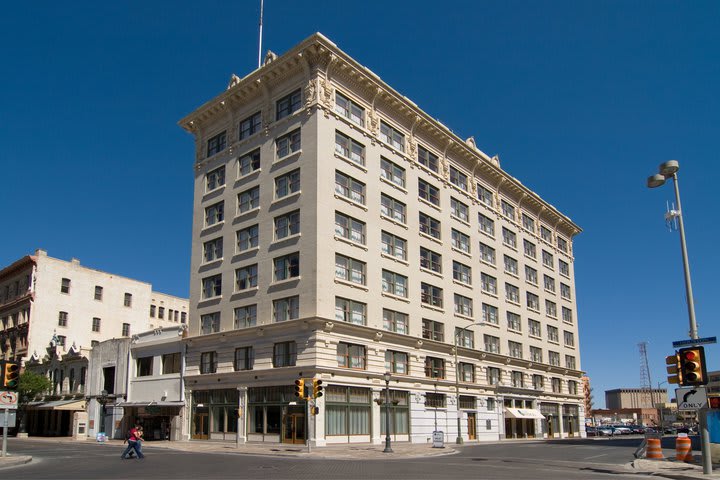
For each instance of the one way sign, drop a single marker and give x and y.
(691, 398)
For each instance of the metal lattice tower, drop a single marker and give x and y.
(645, 383)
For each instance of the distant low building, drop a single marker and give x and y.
(634, 398)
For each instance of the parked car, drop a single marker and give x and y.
(637, 429)
(604, 431)
(591, 431)
(621, 430)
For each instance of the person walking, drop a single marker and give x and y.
(134, 443)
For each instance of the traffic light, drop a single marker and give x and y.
(11, 375)
(317, 388)
(673, 369)
(692, 366)
(300, 388)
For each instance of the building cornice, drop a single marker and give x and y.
(13, 268)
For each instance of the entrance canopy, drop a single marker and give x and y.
(74, 405)
(523, 413)
(151, 404)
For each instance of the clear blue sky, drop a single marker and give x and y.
(582, 100)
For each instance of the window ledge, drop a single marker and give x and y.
(351, 202)
(393, 221)
(432, 307)
(530, 257)
(395, 297)
(431, 238)
(359, 166)
(510, 246)
(285, 281)
(513, 302)
(489, 264)
(430, 204)
(245, 290)
(489, 294)
(351, 284)
(286, 197)
(249, 174)
(285, 239)
(350, 242)
(214, 225)
(536, 310)
(395, 259)
(514, 275)
(463, 284)
(247, 212)
(393, 184)
(247, 250)
(214, 190)
(290, 155)
(464, 222)
(431, 272)
(461, 252)
(464, 317)
(214, 262)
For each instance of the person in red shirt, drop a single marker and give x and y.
(134, 443)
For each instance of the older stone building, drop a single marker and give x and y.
(340, 232)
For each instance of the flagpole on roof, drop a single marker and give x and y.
(260, 39)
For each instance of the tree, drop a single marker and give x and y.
(31, 385)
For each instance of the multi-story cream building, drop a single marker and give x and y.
(341, 232)
(45, 299)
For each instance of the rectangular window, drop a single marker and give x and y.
(287, 184)
(554, 358)
(214, 214)
(562, 244)
(349, 228)
(570, 362)
(249, 200)
(434, 367)
(210, 323)
(534, 329)
(549, 283)
(487, 225)
(464, 337)
(247, 238)
(433, 330)
(488, 284)
(349, 148)
(484, 195)
(547, 259)
(208, 362)
(288, 144)
(429, 225)
(284, 354)
(95, 324)
(463, 305)
(216, 144)
(125, 330)
(396, 362)
(213, 249)
(350, 269)
(350, 311)
(349, 109)
(569, 338)
(249, 162)
(533, 301)
(427, 159)
(127, 300)
(467, 375)
(161, 313)
(395, 321)
(62, 319)
(171, 363)
(212, 286)
(458, 178)
(349, 188)
(430, 260)
(431, 295)
(287, 225)
(288, 104)
(183, 317)
(393, 245)
(517, 380)
(572, 387)
(459, 210)
(511, 265)
(513, 322)
(546, 234)
(565, 291)
(287, 267)
(509, 238)
(564, 268)
(286, 309)
(528, 222)
(490, 314)
(531, 275)
(215, 179)
(64, 286)
(351, 356)
(487, 254)
(98, 292)
(428, 192)
(556, 385)
(250, 126)
(529, 249)
(244, 359)
(462, 273)
(515, 349)
(460, 241)
(567, 315)
(246, 316)
(392, 136)
(392, 172)
(152, 311)
(435, 400)
(393, 209)
(508, 210)
(493, 378)
(394, 283)
(144, 366)
(550, 309)
(538, 382)
(553, 334)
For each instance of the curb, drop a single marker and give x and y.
(13, 461)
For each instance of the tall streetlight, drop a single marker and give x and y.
(388, 449)
(102, 399)
(668, 170)
(660, 407)
(458, 331)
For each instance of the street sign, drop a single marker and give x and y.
(8, 399)
(691, 398)
(697, 341)
(11, 420)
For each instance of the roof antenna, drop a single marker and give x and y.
(260, 35)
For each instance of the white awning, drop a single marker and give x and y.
(152, 404)
(523, 413)
(74, 405)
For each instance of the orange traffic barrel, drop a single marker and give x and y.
(654, 450)
(683, 449)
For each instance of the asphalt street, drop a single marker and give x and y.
(586, 459)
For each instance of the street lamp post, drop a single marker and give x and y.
(102, 399)
(388, 449)
(660, 408)
(459, 439)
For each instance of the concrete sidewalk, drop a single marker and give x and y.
(670, 468)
